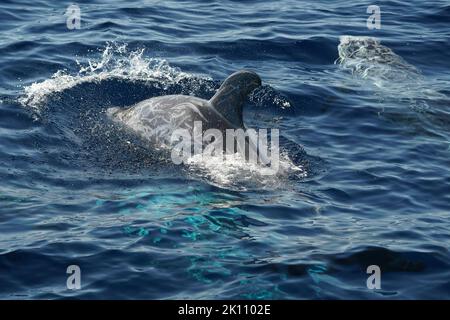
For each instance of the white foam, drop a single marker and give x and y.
(233, 171)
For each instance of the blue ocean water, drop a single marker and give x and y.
(368, 125)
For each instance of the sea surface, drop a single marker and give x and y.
(365, 118)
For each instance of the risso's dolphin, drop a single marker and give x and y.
(368, 58)
(156, 119)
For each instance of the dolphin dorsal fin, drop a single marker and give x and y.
(233, 92)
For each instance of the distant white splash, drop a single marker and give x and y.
(367, 58)
(116, 61)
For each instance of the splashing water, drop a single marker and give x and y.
(116, 62)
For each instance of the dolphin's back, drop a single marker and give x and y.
(156, 118)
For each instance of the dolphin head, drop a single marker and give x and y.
(233, 92)
(244, 81)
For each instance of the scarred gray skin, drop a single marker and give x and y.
(155, 119)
